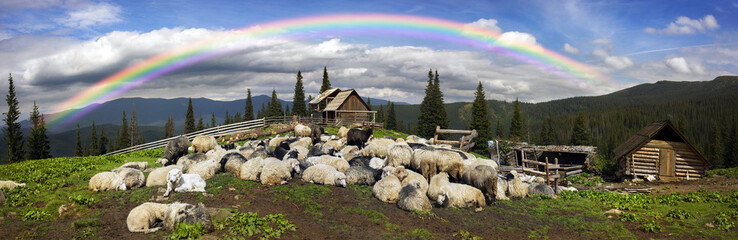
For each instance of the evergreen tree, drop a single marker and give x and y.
(275, 107)
(380, 115)
(426, 123)
(438, 105)
(262, 111)
(248, 113)
(169, 127)
(189, 119)
(715, 151)
(551, 134)
(517, 132)
(135, 136)
(307, 107)
(200, 125)
(731, 146)
(480, 121)
(237, 117)
(78, 151)
(391, 117)
(287, 110)
(298, 102)
(12, 131)
(580, 134)
(369, 103)
(38, 141)
(124, 138)
(213, 123)
(499, 131)
(228, 119)
(94, 147)
(326, 85)
(102, 145)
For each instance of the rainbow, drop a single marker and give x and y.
(298, 28)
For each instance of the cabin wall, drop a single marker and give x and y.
(646, 160)
(353, 103)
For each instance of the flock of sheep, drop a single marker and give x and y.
(408, 172)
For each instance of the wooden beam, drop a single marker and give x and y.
(453, 131)
(645, 156)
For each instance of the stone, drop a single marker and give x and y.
(613, 212)
(540, 188)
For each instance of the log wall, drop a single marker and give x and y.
(645, 160)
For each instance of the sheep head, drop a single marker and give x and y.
(443, 197)
(386, 171)
(340, 179)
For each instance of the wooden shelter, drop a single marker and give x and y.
(659, 149)
(336, 106)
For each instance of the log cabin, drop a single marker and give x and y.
(334, 106)
(659, 149)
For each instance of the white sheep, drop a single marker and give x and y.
(106, 181)
(338, 163)
(415, 139)
(516, 187)
(203, 144)
(399, 154)
(324, 174)
(447, 161)
(188, 160)
(461, 196)
(275, 141)
(206, 169)
(251, 169)
(342, 132)
(217, 154)
(147, 217)
(10, 184)
(187, 213)
(158, 177)
(302, 152)
(336, 144)
(412, 198)
(349, 152)
(305, 142)
(387, 189)
(137, 165)
(377, 148)
(302, 131)
(275, 172)
(436, 182)
(133, 178)
(232, 162)
(178, 182)
(362, 175)
(501, 188)
(377, 163)
(474, 162)
(413, 176)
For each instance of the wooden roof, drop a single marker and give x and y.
(324, 95)
(340, 99)
(644, 135)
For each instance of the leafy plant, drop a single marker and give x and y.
(303, 195)
(83, 200)
(186, 231)
(628, 217)
(465, 235)
(723, 221)
(651, 226)
(249, 224)
(35, 215)
(679, 214)
(586, 179)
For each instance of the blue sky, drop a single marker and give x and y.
(54, 48)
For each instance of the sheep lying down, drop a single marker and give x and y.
(147, 217)
(178, 182)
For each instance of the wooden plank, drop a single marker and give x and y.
(530, 170)
(691, 175)
(571, 167)
(646, 156)
(648, 149)
(645, 160)
(540, 163)
(453, 131)
(649, 165)
(690, 166)
(646, 153)
(689, 160)
(575, 172)
(638, 170)
(449, 142)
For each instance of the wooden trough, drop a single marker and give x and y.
(465, 142)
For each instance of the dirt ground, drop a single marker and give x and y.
(716, 183)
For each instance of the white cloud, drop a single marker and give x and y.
(90, 15)
(684, 25)
(681, 65)
(601, 41)
(619, 62)
(488, 24)
(570, 49)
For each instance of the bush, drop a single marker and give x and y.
(679, 214)
(604, 165)
(586, 179)
(727, 172)
(249, 224)
(186, 231)
(651, 226)
(83, 200)
(723, 221)
(35, 215)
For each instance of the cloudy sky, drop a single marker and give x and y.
(56, 48)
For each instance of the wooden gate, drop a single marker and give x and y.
(666, 162)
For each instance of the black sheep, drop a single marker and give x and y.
(360, 161)
(280, 152)
(315, 132)
(358, 137)
(228, 146)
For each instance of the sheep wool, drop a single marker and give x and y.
(147, 217)
(413, 176)
(362, 175)
(187, 213)
(133, 178)
(203, 144)
(206, 169)
(10, 184)
(377, 148)
(399, 154)
(302, 131)
(185, 162)
(342, 132)
(516, 187)
(436, 182)
(305, 142)
(232, 162)
(337, 144)
(137, 165)
(377, 163)
(158, 177)
(275, 172)
(484, 178)
(387, 189)
(324, 174)
(106, 181)
(178, 182)
(339, 163)
(501, 188)
(461, 196)
(251, 169)
(412, 198)
(274, 142)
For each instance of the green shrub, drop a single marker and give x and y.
(83, 200)
(186, 231)
(651, 226)
(35, 215)
(629, 217)
(679, 214)
(249, 224)
(727, 172)
(586, 179)
(86, 222)
(465, 235)
(723, 221)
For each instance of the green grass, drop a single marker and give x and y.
(727, 172)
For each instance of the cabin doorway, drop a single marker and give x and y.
(667, 162)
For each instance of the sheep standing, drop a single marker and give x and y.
(387, 189)
(10, 185)
(516, 187)
(158, 177)
(342, 132)
(484, 178)
(316, 132)
(231, 163)
(175, 149)
(399, 154)
(147, 217)
(206, 169)
(377, 148)
(461, 196)
(358, 137)
(187, 213)
(276, 172)
(203, 144)
(133, 178)
(412, 198)
(438, 160)
(302, 131)
(324, 174)
(106, 181)
(470, 164)
(362, 175)
(178, 182)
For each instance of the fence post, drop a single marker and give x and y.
(547, 176)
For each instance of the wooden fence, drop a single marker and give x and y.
(465, 142)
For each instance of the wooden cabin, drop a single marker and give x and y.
(659, 149)
(336, 106)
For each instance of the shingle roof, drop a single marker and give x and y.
(338, 100)
(645, 134)
(324, 95)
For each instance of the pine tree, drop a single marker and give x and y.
(580, 134)
(124, 138)
(38, 141)
(480, 121)
(237, 117)
(380, 115)
(213, 123)
(369, 103)
(262, 111)
(135, 136)
(516, 124)
(298, 102)
(730, 157)
(248, 113)
(228, 119)
(102, 145)
(426, 123)
(169, 127)
(200, 125)
(189, 119)
(326, 85)
(12, 131)
(275, 107)
(715, 151)
(78, 151)
(287, 110)
(499, 131)
(438, 106)
(551, 134)
(94, 147)
(391, 117)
